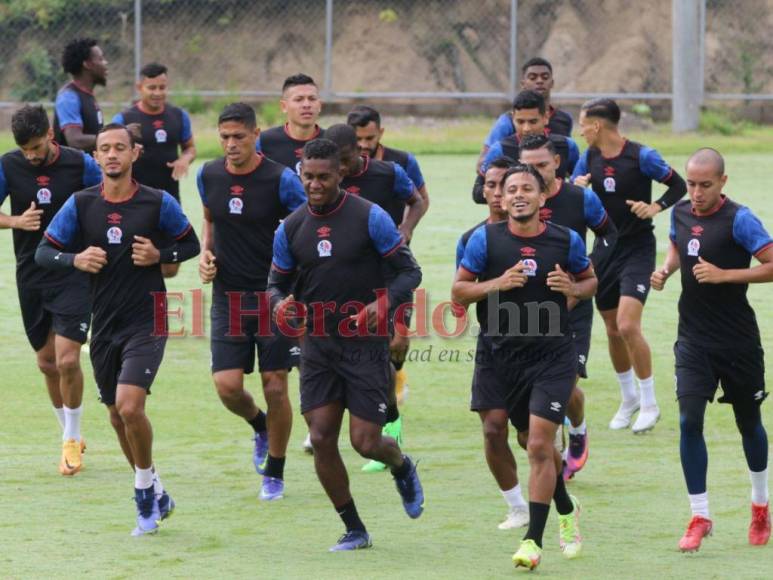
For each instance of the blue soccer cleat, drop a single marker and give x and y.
(410, 490)
(166, 504)
(148, 512)
(272, 489)
(353, 540)
(260, 452)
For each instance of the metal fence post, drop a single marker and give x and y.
(685, 74)
(513, 89)
(327, 87)
(137, 39)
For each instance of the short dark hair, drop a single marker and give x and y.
(342, 135)
(76, 53)
(362, 115)
(29, 122)
(297, 80)
(503, 162)
(115, 127)
(603, 108)
(529, 100)
(322, 148)
(239, 112)
(536, 61)
(531, 170)
(153, 70)
(709, 156)
(534, 142)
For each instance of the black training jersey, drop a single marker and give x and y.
(384, 183)
(510, 147)
(277, 145)
(405, 160)
(534, 316)
(462, 243)
(559, 123)
(48, 187)
(163, 134)
(122, 293)
(717, 315)
(576, 208)
(628, 175)
(75, 106)
(246, 210)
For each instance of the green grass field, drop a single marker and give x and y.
(635, 504)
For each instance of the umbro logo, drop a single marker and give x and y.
(295, 351)
(158, 124)
(43, 180)
(353, 189)
(582, 359)
(84, 326)
(528, 251)
(697, 230)
(641, 288)
(609, 171)
(382, 407)
(759, 395)
(114, 219)
(237, 190)
(555, 406)
(324, 231)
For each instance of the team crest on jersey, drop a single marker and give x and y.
(235, 205)
(114, 235)
(609, 184)
(44, 196)
(529, 267)
(325, 249)
(693, 247)
(160, 136)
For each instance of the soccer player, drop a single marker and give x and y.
(530, 118)
(387, 185)
(245, 197)
(581, 210)
(301, 105)
(525, 364)
(39, 177)
(712, 241)
(621, 173)
(77, 116)
(164, 131)
(111, 232)
(345, 357)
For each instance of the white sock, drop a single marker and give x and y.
(759, 486)
(514, 497)
(699, 504)
(627, 387)
(647, 388)
(579, 430)
(59, 412)
(158, 487)
(72, 423)
(143, 478)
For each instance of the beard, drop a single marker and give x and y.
(523, 218)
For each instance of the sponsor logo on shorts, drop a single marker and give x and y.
(44, 196)
(555, 406)
(759, 395)
(641, 288)
(84, 327)
(693, 247)
(235, 206)
(148, 372)
(295, 351)
(382, 407)
(325, 249)
(582, 359)
(114, 235)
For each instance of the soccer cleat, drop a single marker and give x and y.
(393, 430)
(166, 504)
(517, 517)
(148, 512)
(698, 528)
(528, 555)
(646, 420)
(260, 452)
(272, 489)
(401, 386)
(71, 462)
(623, 417)
(307, 446)
(577, 454)
(759, 529)
(569, 538)
(410, 490)
(83, 446)
(353, 540)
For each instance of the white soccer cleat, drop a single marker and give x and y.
(623, 417)
(646, 420)
(517, 517)
(307, 446)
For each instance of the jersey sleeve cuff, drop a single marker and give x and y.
(63, 127)
(393, 250)
(280, 270)
(53, 240)
(762, 249)
(588, 269)
(476, 274)
(184, 232)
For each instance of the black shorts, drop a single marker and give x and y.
(65, 309)
(523, 384)
(275, 351)
(581, 325)
(353, 371)
(740, 372)
(627, 272)
(132, 359)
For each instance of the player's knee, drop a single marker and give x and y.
(68, 364)
(275, 388)
(47, 366)
(691, 423)
(365, 444)
(130, 412)
(748, 420)
(539, 449)
(115, 419)
(629, 330)
(322, 439)
(495, 432)
(228, 390)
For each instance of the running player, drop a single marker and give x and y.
(579, 209)
(301, 105)
(39, 177)
(345, 358)
(525, 364)
(712, 241)
(245, 197)
(111, 232)
(77, 116)
(621, 173)
(163, 130)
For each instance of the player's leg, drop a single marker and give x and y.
(169, 270)
(68, 353)
(120, 431)
(279, 424)
(581, 324)
(394, 422)
(46, 360)
(621, 362)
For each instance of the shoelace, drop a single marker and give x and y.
(759, 517)
(694, 523)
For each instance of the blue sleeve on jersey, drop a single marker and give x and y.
(383, 231)
(494, 152)
(63, 229)
(672, 228)
(595, 213)
(459, 252)
(3, 185)
(118, 118)
(257, 145)
(283, 259)
(653, 165)
(573, 156)
(749, 233)
(68, 108)
(200, 185)
(172, 220)
(186, 132)
(582, 166)
(92, 172)
(414, 171)
(503, 127)
(578, 260)
(476, 252)
(404, 187)
(291, 192)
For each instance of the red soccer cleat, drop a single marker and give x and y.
(698, 528)
(759, 529)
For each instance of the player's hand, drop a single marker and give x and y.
(707, 273)
(582, 180)
(458, 310)
(658, 278)
(144, 253)
(136, 130)
(512, 278)
(179, 167)
(29, 220)
(405, 232)
(287, 312)
(368, 317)
(571, 302)
(207, 267)
(560, 281)
(644, 210)
(90, 260)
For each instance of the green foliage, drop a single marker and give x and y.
(714, 121)
(40, 76)
(270, 114)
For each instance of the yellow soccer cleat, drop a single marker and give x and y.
(71, 462)
(528, 555)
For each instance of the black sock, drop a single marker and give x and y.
(258, 422)
(392, 413)
(275, 467)
(538, 517)
(350, 517)
(564, 504)
(402, 471)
